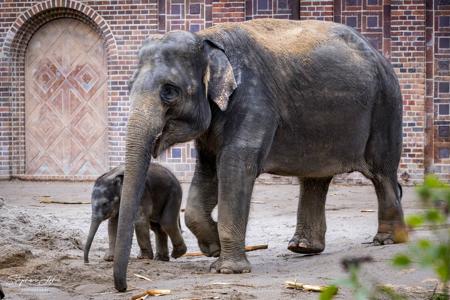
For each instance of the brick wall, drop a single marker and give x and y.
(437, 156)
(413, 34)
(122, 24)
(408, 59)
(318, 10)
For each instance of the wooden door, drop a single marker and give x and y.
(65, 101)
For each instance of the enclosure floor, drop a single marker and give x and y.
(41, 248)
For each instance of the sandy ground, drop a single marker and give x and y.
(41, 249)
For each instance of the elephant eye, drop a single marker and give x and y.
(169, 93)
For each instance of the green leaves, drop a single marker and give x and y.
(435, 253)
(360, 290)
(328, 293)
(414, 221)
(432, 181)
(424, 244)
(401, 260)
(433, 216)
(434, 191)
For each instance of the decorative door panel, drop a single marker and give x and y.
(66, 101)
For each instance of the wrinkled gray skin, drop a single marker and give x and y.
(159, 211)
(309, 99)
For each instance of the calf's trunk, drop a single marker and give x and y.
(95, 223)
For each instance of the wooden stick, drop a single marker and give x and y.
(62, 202)
(305, 287)
(48, 200)
(150, 293)
(247, 249)
(256, 247)
(142, 277)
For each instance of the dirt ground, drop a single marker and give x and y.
(41, 249)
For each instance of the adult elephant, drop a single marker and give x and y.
(309, 99)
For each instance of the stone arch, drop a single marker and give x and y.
(14, 50)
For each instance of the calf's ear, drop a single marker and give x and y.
(219, 77)
(118, 180)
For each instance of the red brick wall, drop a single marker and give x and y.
(317, 10)
(408, 59)
(227, 11)
(123, 26)
(437, 156)
(413, 34)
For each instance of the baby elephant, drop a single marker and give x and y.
(159, 210)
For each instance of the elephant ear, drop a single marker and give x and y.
(118, 175)
(219, 77)
(118, 180)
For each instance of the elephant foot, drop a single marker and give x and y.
(302, 245)
(231, 266)
(383, 239)
(178, 251)
(390, 234)
(108, 257)
(161, 257)
(145, 255)
(210, 250)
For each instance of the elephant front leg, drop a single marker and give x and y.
(142, 228)
(112, 232)
(202, 199)
(236, 179)
(309, 234)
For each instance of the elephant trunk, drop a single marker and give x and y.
(143, 126)
(95, 223)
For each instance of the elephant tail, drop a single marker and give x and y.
(400, 191)
(2, 295)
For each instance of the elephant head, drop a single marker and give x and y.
(179, 76)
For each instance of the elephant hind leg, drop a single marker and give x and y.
(309, 236)
(172, 229)
(162, 250)
(391, 227)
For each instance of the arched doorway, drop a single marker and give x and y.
(66, 101)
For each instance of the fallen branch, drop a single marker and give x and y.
(49, 200)
(258, 202)
(304, 287)
(256, 247)
(233, 284)
(247, 249)
(367, 210)
(431, 227)
(150, 293)
(142, 277)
